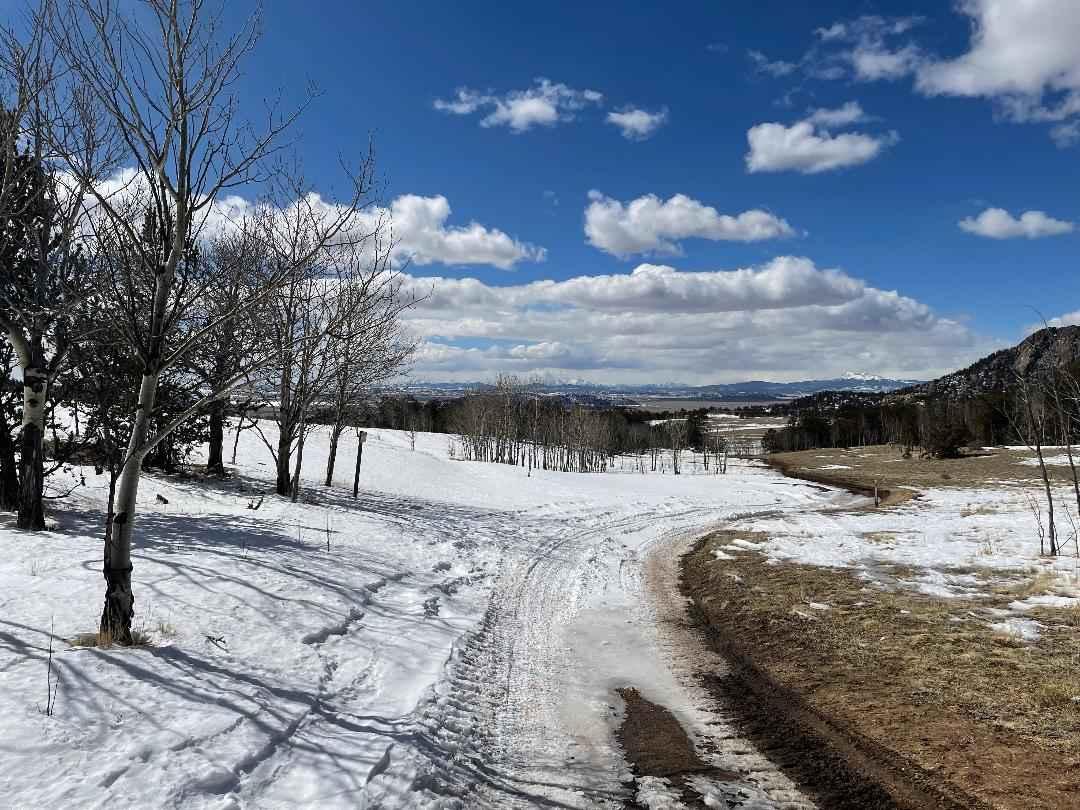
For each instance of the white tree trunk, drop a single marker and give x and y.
(119, 600)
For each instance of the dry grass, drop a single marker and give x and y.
(882, 538)
(101, 640)
(917, 672)
(1072, 615)
(886, 466)
(1042, 582)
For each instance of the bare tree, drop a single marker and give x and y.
(234, 255)
(1031, 425)
(159, 96)
(371, 348)
(311, 322)
(676, 430)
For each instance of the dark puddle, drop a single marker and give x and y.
(655, 744)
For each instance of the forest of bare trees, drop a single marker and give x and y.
(513, 424)
(141, 309)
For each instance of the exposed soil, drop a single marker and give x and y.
(890, 698)
(656, 744)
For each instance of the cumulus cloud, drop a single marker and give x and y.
(1021, 55)
(786, 318)
(808, 147)
(420, 225)
(651, 225)
(546, 103)
(997, 223)
(1017, 48)
(637, 124)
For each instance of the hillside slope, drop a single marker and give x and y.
(1037, 354)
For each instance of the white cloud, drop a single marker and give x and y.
(1024, 48)
(637, 124)
(874, 61)
(997, 223)
(1022, 55)
(651, 225)
(777, 68)
(845, 115)
(784, 319)
(804, 148)
(1068, 319)
(546, 103)
(784, 282)
(420, 227)
(865, 49)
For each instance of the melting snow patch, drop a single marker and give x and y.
(817, 606)
(655, 793)
(835, 467)
(742, 795)
(744, 544)
(1044, 601)
(1023, 629)
(720, 554)
(1061, 460)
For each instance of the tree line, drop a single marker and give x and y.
(1036, 410)
(514, 422)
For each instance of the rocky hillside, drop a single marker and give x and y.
(1032, 357)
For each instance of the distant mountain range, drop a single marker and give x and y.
(749, 391)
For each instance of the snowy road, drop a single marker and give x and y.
(452, 639)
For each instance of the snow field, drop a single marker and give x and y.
(456, 646)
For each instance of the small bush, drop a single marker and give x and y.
(945, 440)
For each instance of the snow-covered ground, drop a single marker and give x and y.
(457, 643)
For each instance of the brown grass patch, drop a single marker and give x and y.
(926, 677)
(139, 638)
(1072, 615)
(1042, 582)
(886, 466)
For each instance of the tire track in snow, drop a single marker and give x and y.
(495, 736)
(492, 723)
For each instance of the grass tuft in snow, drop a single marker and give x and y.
(104, 640)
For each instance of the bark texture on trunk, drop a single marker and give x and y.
(119, 609)
(295, 493)
(283, 484)
(356, 472)
(215, 461)
(32, 450)
(335, 436)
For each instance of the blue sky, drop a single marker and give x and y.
(880, 127)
